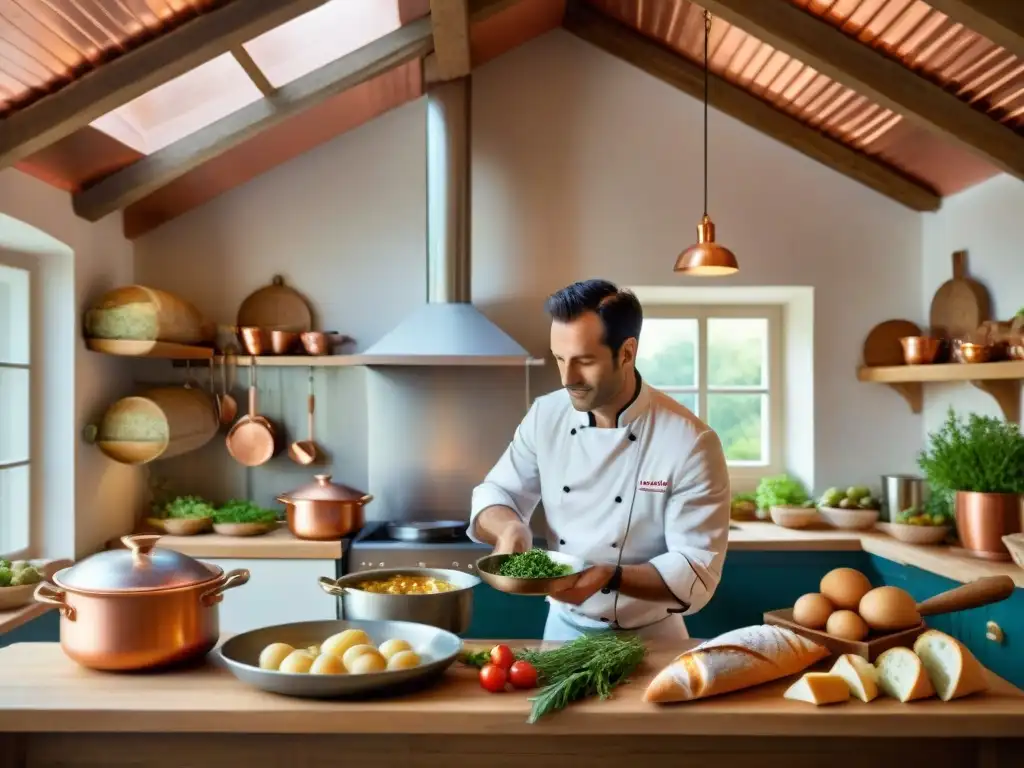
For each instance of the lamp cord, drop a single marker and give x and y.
(707, 33)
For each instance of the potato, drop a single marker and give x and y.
(355, 652)
(395, 645)
(297, 661)
(272, 656)
(367, 662)
(403, 660)
(336, 645)
(327, 664)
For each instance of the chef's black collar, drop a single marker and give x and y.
(592, 421)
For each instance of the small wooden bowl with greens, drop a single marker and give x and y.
(184, 516)
(535, 572)
(243, 518)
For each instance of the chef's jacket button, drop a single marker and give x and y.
(565, 488)
(606, 591)
(605, 620)
(618, 499)
(632, 438)
(572, 431)
(561, 541)
(615, 545)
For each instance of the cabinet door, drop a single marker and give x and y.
(1004, 657)
(278, 592)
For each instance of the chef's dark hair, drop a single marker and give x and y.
(619, 310)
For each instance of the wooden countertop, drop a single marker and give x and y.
(940, 560)
(279, 544)
(42, 691)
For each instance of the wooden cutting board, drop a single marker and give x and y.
(883, 347)
(276, 306)
(960, 305)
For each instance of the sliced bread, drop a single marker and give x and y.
(902, 675)
(952, 669)
(859, 674)
(818, 688)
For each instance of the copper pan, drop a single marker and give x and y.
(251, 441)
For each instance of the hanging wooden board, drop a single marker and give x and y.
(276, 306)
(883, 346)
(960, 305)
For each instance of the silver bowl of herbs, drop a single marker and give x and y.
(534, 572)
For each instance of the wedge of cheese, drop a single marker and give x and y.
(859, 674)
(951, 667)
(902, 675)
(819, 688)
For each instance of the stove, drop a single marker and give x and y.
(373, 548)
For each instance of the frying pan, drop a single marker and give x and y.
(251, 440)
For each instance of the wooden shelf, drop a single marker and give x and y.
(335, 361)
(1000, 380)
(155, 349)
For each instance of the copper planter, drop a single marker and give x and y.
(139, 609)
(324, 511)
(982, 519)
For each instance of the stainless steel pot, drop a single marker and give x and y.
(451, 611)
(324, 511)
(140, 608)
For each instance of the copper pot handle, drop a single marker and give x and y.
(331, 587)
(215, 594)
(366, 499)
(50, 595)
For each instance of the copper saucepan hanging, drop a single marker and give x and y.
(251, 440)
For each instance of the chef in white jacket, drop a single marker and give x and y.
(632, 481)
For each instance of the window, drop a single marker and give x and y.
(724, 364)
(14, 409)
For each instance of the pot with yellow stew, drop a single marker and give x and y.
(436, 596)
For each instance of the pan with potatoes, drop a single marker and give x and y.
(331, 659)
(849, 614)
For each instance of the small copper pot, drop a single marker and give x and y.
(982, 519)
(324, 511)
(140, 608)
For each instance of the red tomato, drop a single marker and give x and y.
(502, 656)
(493, 678)
(523, 675)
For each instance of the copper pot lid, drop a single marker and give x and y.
(322, 489)
(141, 567)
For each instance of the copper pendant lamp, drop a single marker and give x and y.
(707, 258)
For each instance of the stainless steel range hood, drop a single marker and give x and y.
(448, 329)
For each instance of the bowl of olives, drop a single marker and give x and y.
(916, 526)
(852, 509)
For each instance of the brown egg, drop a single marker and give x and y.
(844, 587)
(889, 608)
(812, 610)
(847, 625)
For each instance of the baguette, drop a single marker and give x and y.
(740, 658)
(952, 669)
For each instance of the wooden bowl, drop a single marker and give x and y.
(243, 529)
(849, 519)
(1015, 543)
(794, 517)
(925, 535)
(181, 526)
(16, 597)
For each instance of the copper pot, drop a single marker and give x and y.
(920, 350)
(324, 511)
(140, 608)
(982, 519)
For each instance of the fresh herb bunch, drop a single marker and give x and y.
(188, 507)
(780, 491)
(243, 511)
(591, 665)
(982, 454)
(533, 564)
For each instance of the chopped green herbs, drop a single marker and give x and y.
(242, 511)
(534, 564)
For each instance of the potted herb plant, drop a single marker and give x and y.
(980, 461)
(785, 500)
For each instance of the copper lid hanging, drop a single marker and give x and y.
(707, 258)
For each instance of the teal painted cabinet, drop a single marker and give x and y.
(44, 629)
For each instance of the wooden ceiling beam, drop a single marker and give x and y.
(134, 182)
(672, 68)
(132, 74)
(884, 80)
(450, 22)
(1001, 21)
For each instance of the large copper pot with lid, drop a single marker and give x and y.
(324, 511)
(140, 607)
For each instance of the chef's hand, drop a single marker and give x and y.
(514, 537)
(587, 583)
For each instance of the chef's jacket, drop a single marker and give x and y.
(660, 473)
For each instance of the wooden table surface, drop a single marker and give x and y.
(42, 691)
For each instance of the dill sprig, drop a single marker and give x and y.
(533, 564)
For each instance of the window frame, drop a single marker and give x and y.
(28, 264)
(774, 389)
